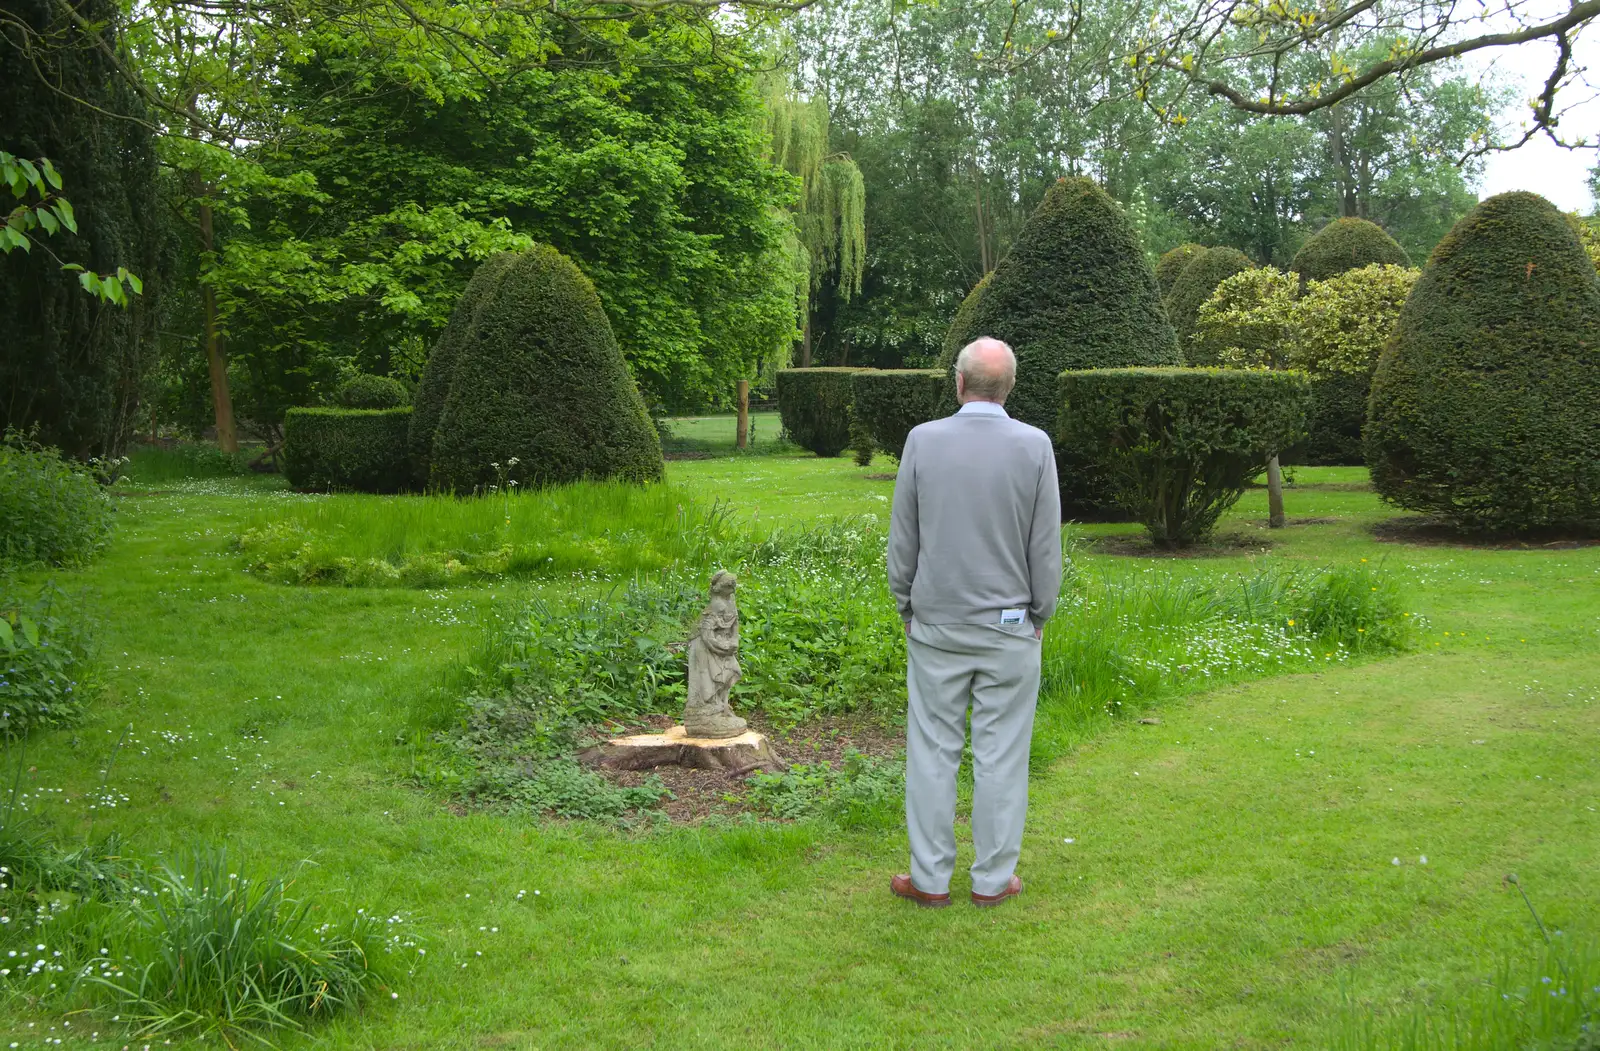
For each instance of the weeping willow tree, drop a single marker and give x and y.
(828, 232)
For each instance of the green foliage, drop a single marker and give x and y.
(366, 391)
(1171, 265)
(52, 213)
(538, 385)
(52, 511)
(635, 148)
(46, 666)
(815, 407)
(585, 531)
(70, 363)
(1341, 327)
(1485, 406)
(830, 219)
(1346, 244)
(360, 449)
(1343, 323)
(1180, 445)
(1075, 292)
(1196, 285)
(961, 331)
(892, 401)
(1335, 420)
(1248, 322)
(863, 793)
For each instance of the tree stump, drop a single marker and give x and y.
(744, 754)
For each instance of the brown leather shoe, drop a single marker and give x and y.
(904, 888)
(987, 900)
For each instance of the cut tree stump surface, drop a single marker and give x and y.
(748, 752)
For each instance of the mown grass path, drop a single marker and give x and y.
(1230, 880)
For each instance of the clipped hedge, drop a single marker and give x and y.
(1485, 405)
(1196, 285)
(366, 391)
(1171, 265)
(814, 405)
(360, 449)
(1178, 446)
(1346, 244)
(889, 402)
(538, 391)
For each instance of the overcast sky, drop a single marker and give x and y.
(1541, 166)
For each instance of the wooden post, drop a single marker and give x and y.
(743, 439)
(1275, 519)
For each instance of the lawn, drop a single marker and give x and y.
(1245, 872)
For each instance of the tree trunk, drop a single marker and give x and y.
(742, 436)
(805, 341)
(221, 401)
(1275, 519)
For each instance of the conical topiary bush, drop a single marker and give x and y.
(1346, 244)
(1196, 284)
(1485, 406)
(960, 332)
(538, 392)
(1074, 292)
(1171, 265)
(428, 403)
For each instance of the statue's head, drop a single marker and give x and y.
(723, 582)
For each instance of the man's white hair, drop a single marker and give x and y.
(988, 369)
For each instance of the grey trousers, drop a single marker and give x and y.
(996, 670)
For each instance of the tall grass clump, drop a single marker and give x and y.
(1553, 1005)
(214, 952)
(52, 511)
(1125, 640)
(159, 464)
(598, 530)
(198, 949)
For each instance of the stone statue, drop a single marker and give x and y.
(714, 665)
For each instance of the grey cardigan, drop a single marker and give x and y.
(976, 526)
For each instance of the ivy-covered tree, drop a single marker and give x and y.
(71, 363)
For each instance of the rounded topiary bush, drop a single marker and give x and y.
(538, 392)
(366, 391)
(1247, 321)
(1485, 405)
(1074, 292)
(1171, 265)
(1196, 285)
(52, 511)
(1346, 244)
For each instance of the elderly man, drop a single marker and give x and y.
(975, 565)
